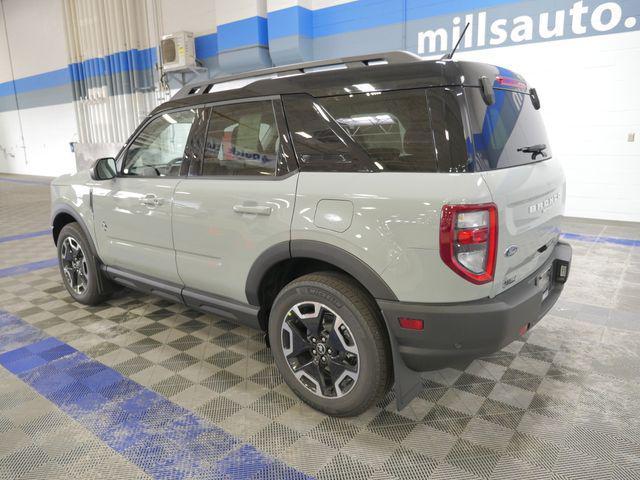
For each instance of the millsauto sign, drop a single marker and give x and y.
(533, 21)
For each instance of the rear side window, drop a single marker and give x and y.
(417, 130)
(242, 139)
(508, 133)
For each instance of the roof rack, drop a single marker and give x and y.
(242, 79)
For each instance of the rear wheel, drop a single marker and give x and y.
(79, 268)
(329, 343)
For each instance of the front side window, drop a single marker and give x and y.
(242, 139)
(158, 150)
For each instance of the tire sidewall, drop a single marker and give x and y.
(369, 367)
(92, 278)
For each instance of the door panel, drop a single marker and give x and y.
(220, 227)
(133, 225)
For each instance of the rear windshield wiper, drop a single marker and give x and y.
(534, 150)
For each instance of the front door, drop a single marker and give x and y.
(239, 202)
(132, 213)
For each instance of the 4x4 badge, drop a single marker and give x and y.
(511, 251)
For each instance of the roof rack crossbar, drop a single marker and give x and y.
(392, 57)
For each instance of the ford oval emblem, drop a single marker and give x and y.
(511, 251)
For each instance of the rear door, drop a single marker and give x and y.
(526, 182)
(239, 201)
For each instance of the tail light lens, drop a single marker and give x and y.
(468, 240)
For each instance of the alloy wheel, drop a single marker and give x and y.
(74, 265)
(320, 349)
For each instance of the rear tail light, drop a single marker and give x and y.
(468, 240)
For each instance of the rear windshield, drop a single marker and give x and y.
(416, 130)
(508, 133)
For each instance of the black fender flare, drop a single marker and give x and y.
(316, 250)
(78, 219)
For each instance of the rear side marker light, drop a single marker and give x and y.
(469, 239)
(411, 323)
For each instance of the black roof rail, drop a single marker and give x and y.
(207, 86)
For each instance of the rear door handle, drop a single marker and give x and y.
(255, 209)
(150, 200)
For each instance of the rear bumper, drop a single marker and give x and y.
(462, 331)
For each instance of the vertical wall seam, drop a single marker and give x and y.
(13, 82)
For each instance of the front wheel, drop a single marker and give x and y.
(79, 269)
(329, 343)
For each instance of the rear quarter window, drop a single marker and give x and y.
(394, 131)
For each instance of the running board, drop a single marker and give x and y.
(226, 308)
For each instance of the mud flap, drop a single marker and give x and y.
(407, 383)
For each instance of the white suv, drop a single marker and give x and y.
(375, 221)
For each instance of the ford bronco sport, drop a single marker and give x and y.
(376, 217)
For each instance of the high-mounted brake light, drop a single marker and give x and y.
(468, 240)
(511, 82)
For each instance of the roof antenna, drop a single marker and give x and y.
(449, 56)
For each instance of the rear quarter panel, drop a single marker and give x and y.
(394, 228)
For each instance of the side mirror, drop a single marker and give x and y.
(103, 169)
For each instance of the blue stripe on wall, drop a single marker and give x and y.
(365, 14)
(252, 31)
(206, 46)
(131, 60)
(290, 21)
(243, 33)
(162, 438)
(293, 21)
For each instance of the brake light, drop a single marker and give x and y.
(468, 240)
(511, 82)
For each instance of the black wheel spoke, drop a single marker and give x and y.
(299, 342)
(342, 363)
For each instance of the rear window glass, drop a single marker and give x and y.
(377, 131)
(508, 133)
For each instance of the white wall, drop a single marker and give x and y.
(35, 32)
(590, 103)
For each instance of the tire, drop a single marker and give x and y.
(351, 323)
(74, 253)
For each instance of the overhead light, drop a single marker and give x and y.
(365, 87)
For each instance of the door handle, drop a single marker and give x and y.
(255, 209)
(150, 200)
